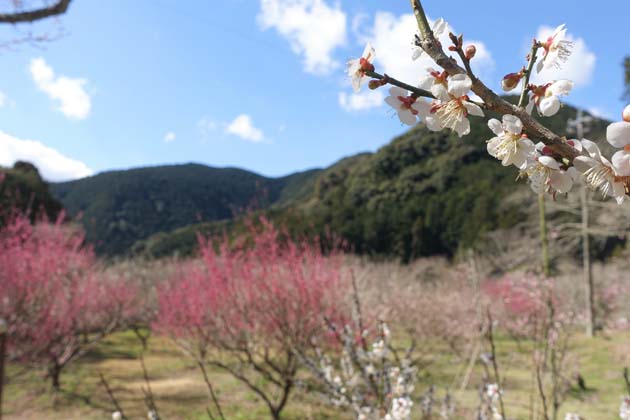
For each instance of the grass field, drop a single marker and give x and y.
(181, 393)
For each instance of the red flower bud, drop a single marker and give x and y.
(471, 50)
(510, 81)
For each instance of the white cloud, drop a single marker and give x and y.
(313, 28)
(392, 38)
(243, 127)
(580, 66)
(74, 102)
(206, 125)
(169, 137)
(361, 101)
(52, 165)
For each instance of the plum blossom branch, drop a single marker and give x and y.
(493, 102)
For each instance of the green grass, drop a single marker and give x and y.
(181, 393)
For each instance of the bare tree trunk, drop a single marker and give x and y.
(587, 270)
(54, 372)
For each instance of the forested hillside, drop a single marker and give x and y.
(119, 208)
(424, 193)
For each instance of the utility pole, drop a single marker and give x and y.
(577, 126)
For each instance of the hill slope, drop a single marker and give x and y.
(119, 208)
(424, 193)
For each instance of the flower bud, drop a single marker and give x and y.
(374, 84)
(626, 114)
(471, 50)
(547, 151)
(510, 81)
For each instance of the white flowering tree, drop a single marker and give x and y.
(442, 100)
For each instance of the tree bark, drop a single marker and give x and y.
(60, 7)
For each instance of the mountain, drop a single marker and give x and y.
(119, 208)
(23, 188)
(424, 193)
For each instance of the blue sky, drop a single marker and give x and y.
(256, 84)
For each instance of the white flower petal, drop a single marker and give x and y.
(549, 162)
(621, 163)
(512, 124)
(393, 102)
(561, 87)
(395, 91)
(618, 134)
(561, 181)
(459, 85)
(369, 53)
(584, 163)
(406, 117)
(473, 109)
(493, 146)
(591, 148)
(439, 26)
(440, 91)
(549, 106)
(423, 107)
(495, 126)
(530, 106)
(433, 123)
(462, 128)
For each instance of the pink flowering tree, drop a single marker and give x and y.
(52, 296)
(258, 300)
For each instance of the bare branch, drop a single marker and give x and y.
(59, 8)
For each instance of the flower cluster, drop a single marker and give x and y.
(624, 408)
(519, 140)
(370, 378)
(490, 396)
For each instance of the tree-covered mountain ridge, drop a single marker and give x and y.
(423, 193)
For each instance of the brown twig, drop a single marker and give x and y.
(60, 7)
(215, 401)
(390, 80)
(111, 396)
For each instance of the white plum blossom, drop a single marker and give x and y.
(453, 113)
(509, 145)
(624, 408)
(598, 172)
(400, 409)
(437, 83)
(358, 67)
(546, 97)
(153, 415)
(438, 28)
(408, 107)
(545, 175)
(618, 135)
(116, 415)
(572, 416)
(625, 115)
(556, 50)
